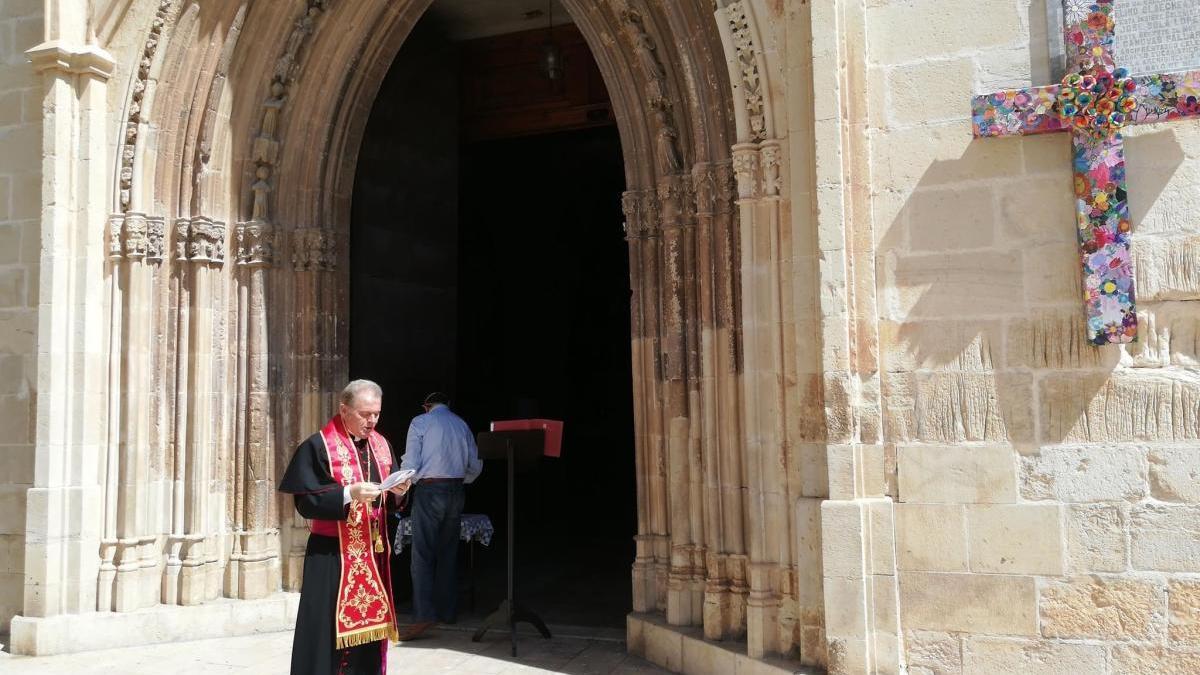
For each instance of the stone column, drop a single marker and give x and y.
(724, 562)
(653, 546)
(255, 570)
(313, 259)
(64, 505)
(204, 249)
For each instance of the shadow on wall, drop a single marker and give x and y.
(983, 332)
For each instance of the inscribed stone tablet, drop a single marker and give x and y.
(1153, 36)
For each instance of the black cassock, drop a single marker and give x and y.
(318, 496)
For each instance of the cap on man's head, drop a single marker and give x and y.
(436, 398)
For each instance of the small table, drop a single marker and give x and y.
(475, 527)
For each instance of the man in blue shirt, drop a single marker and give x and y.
(441, 449)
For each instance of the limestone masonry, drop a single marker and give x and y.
(871, 436)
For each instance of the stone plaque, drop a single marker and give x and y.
(1153, 36)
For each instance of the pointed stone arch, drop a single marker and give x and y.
(226, 262)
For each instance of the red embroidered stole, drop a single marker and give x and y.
(364, 611)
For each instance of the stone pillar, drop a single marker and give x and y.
(202, 247)
(255, 565)
(858, 548)
(653, 546)
(312, 336)
(62, 520)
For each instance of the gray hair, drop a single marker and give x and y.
(357, 387)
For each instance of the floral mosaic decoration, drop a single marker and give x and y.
(1095, 101)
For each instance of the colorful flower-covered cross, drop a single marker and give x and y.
(1094, 101)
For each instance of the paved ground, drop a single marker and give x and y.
(446, 651)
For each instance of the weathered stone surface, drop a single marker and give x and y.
(1085, 474)
(989, 656)
(940, 345)
(1096, 538)
(1183, 606)
(1165, 537)
(1147, 659)
(933, 653)
(1103, 609)
(956, 475)
(1001, 536)
(999, 604)
(1168, 268)
(1175, 474)
(1053, 339)
(940, 407)
(931, 537)
(1096, 408)
(952, 285)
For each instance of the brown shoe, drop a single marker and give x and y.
(415, 631)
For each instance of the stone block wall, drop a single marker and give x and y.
(20, 206)
(1046, 493)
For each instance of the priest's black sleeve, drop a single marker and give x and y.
(308, 478)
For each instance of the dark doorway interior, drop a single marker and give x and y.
(495, 267)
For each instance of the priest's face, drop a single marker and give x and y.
(361, 416)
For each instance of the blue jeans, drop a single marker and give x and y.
(436, 514)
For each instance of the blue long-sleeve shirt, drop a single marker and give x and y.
(441, 445)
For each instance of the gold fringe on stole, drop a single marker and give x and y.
(373, 635)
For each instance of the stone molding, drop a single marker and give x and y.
(80, 60)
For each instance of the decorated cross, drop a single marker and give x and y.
(1094, 101)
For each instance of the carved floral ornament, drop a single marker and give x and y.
(747, 59)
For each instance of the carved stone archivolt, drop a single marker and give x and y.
(658, 97)
(747, 62)
(134, 108)
(256, 349)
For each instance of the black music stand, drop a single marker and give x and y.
(523, 447)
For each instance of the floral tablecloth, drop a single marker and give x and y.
(475, 527)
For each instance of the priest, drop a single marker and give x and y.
(346, 613)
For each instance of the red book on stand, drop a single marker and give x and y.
(553, 431)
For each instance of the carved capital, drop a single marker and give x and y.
(116, 223)
(156, 234)
(641, 214)
(313, 249)
(772, 180)
(256, 244)
(746, 170)
(677, 201)
(134, 237)
(206, 241)
(179, 238)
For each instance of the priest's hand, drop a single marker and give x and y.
(364, 492)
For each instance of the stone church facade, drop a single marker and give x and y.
(870, 434)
